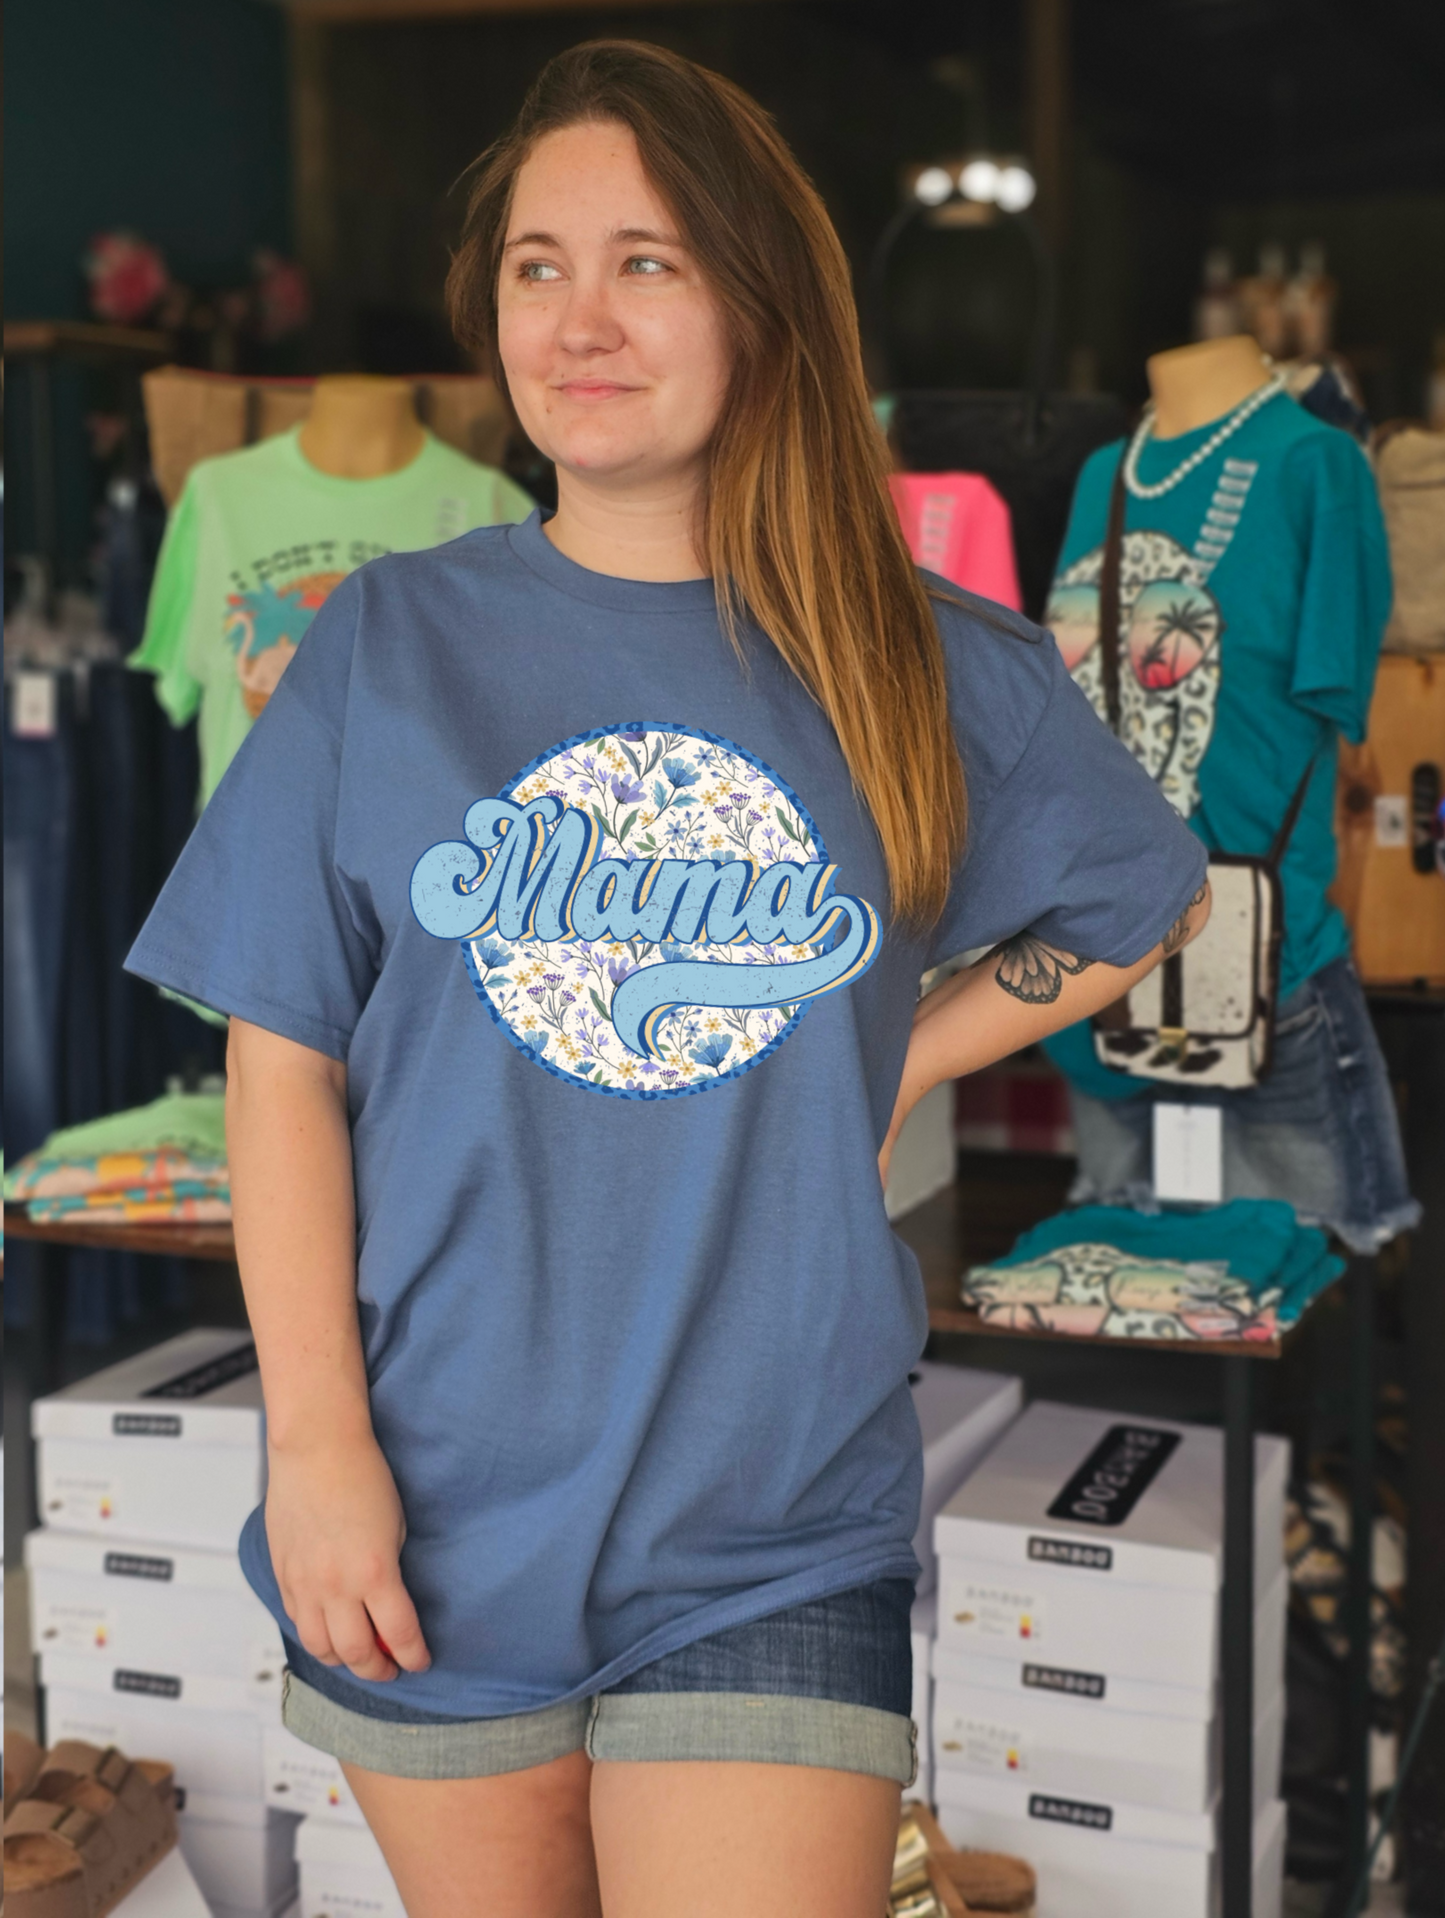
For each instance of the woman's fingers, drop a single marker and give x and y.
(351, 1633)
(310, 1623)
(397, 1625)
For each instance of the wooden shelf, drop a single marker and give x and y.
(82, 339)
(178, 1241)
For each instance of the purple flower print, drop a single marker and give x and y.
(618, 969)
(536, 992)
(626, 791)
(738, 799)
(553, 978)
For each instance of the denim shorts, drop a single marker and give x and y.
(1319, 1130)
(828, 1682)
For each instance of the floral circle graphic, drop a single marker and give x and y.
(654, 792)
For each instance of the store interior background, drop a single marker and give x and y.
(336, 133)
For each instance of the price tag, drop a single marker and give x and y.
(1392, 820)
(32, 706)
(1189, 1153)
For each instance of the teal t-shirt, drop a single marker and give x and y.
(1253, 596)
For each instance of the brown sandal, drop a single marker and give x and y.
(23, 1759)
(92, 1826)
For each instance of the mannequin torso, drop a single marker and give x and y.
(1192, 385)
(361, 426)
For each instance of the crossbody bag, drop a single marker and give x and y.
(1206, 1015)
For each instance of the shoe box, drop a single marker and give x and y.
(925, 1621)
(298, 1778)
(148, 1607)
(165, 1446)
(1093, 1542)
(209, 1728)
(1101, 1858)
(240, 1849)
(1090, 1731)
(961, 1413)
(343, 1874)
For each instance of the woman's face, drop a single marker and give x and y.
(613, 346)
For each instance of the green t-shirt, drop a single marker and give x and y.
(1253, 597)
(257, 541)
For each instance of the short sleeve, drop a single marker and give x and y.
(162, 650)
(1075, 842)
(256, 919)
(1346, 591)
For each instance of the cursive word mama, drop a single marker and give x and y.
(535, 872)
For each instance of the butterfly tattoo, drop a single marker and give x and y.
(1177, 933)
(1032, 971)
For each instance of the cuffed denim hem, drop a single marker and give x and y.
(464, 1748)
(733, 1726)
(617, 1726)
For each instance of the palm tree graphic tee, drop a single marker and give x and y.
(590, 908)
(1253, 599)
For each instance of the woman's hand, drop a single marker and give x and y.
(1015, 995)
(335, 1527)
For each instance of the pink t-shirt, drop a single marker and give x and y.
(957, 525)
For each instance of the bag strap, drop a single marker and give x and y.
(1277, 851)
(1109, 596)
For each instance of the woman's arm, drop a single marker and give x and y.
(1018, 993)
(333, 1518)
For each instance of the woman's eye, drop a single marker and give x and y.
(538, 271)
(642, 266)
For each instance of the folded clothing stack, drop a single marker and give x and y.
(163, 1161)
(1246, 1270)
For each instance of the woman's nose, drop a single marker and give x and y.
(588, 323)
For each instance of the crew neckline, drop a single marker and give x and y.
(532, 547)
(339, 483)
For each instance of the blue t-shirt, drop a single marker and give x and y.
(598, 923)
(1253, 598)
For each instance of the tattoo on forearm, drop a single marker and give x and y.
(1032, 971)
(1179, 931)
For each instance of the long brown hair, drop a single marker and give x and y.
(797, 527)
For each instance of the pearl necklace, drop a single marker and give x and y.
(1260, 397)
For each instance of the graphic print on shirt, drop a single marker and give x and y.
(274, 601)
(645, 910)
(1169, 631)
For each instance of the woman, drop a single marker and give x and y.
(585, 1341)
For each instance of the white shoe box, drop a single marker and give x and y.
(1045, 1551)
(343, 1874)
(1084, 1733)
(242, 1853)
(961, 1412)
(167, 1891)
(209, 1728)
(148, 1607)
(1101, 1859)
(165, 1446)
(925, 1619)
(301, 1779)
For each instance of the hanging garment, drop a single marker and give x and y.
(257, 542)
(957, 526)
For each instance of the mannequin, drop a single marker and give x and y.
(1192, 385)
(361, 426)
